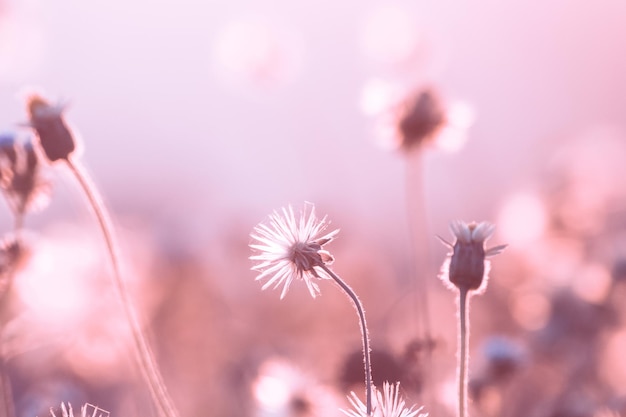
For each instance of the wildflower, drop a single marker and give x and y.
(55, 138)
(387, 403)
(421, 117)
(87, 410)
(292, 248)
(467, 269)
(467, 266)
(20, 177)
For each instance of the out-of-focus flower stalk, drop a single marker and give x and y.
(58, 144)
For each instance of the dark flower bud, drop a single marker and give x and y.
(467, 266)
(421, 117)
(55, 138)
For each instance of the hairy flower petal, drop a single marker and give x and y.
(289, 246)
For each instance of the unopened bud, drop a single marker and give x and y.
(55, 138)
(468, 267)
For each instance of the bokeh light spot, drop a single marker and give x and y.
(57, 284)
(592, 283)
(388, 35)
(531, 310)
(21, 47)
(258, 52)
(522, 219)
(453, 135)
(271, 392)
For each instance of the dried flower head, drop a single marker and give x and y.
(55, 137)
(20, 176)
(420, 118)
(386, 403)
(467, 266)
(290, 247)
(87, 410)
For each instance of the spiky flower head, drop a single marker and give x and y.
(55, 138)
(289, 246)
(87, 410)
(21, 180)
(385, 403)
(467, 266)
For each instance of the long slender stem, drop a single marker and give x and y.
(144, 354)
(463, 339)
(417, 219)
(364, 333)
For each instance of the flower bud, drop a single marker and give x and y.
(422, 116)
(467, 266)
(55, 138)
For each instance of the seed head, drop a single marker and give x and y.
(55, 137)
(386, 403)
(87, 410)
(467, 266)
(288, 247)
(421, 117)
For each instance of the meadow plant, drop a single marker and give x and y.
(386, 403)
(467, 269)
(25, 189)
(87, 410)
(291, 248)
(57, 142)
(419, 119)
(21, 180)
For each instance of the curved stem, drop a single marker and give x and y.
(463, 359)
(144, 354)
(364, 333)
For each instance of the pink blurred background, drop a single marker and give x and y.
(159, 112)
(200, 118)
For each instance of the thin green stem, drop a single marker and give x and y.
(364, 333)
(143, 352)
(463, 359)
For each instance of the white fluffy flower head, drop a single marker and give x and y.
(289, 247)
(87, 410)
(385, 403)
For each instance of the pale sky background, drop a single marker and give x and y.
(175, 120)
